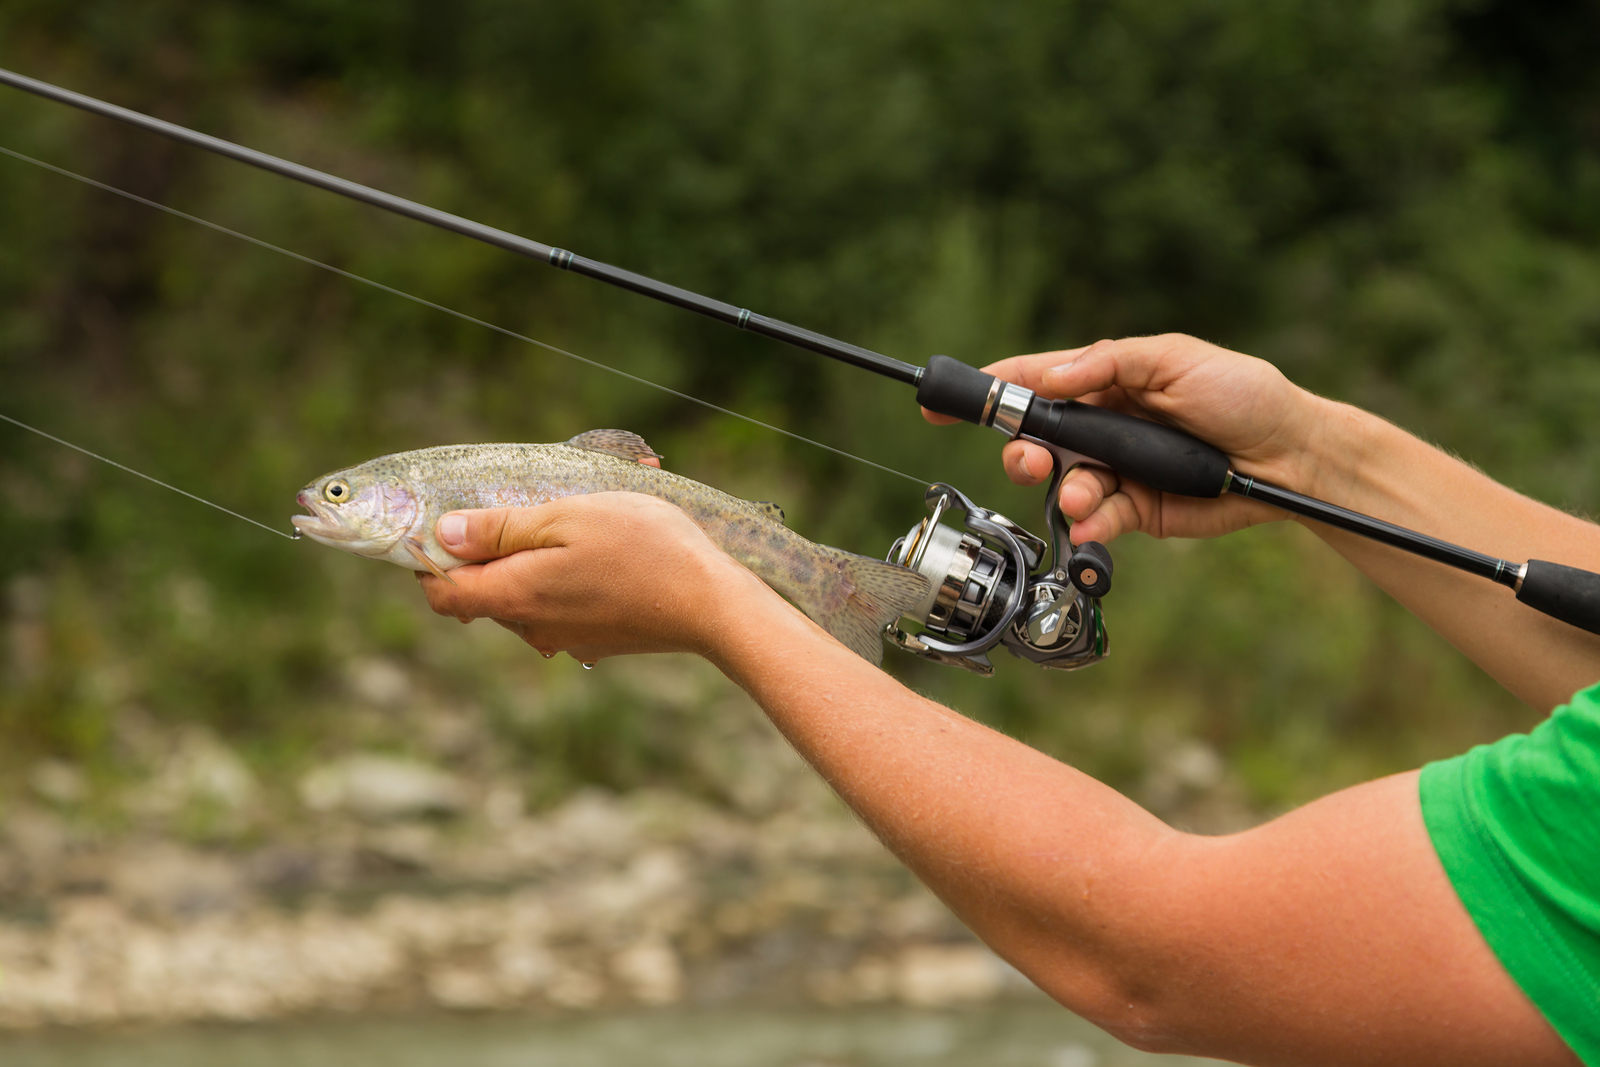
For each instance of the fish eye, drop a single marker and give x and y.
(337, 491)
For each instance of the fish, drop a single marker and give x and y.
(386, 509)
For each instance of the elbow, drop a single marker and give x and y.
(1144, 967)
(1143, 1010)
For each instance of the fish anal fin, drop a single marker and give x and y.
(769, 509)
(420, 554)
(624, 444)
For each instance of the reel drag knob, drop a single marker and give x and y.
(1089, 568)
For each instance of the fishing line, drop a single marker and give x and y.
(146, 477)
(424, 302)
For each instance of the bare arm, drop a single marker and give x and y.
(1279, 432)
(1328, 936)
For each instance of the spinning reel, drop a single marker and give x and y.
(989, 587)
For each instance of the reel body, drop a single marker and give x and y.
(989, 587)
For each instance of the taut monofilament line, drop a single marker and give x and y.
(140, 474)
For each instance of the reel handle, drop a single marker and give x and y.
(1160, 456)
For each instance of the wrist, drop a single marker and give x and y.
(1347, 454)
(730, 604)
(1334, 452)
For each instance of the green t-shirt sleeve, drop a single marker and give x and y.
(1517, 827)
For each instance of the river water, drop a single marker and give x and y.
(1007, 1034)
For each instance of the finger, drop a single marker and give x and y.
(490, 533)
(1083, 490)
(479, 591)
(1027, 371)
(1142, 364)
(1116, 515)
(1026, 463)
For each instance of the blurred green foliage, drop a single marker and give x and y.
(1394, 200)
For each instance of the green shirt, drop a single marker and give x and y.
(1517, 826)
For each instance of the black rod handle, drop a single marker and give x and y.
(1160, 456)
(1562, 592)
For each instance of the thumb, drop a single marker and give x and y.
(489, 533)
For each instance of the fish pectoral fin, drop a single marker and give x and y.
(420, 554)
(621, 443)
(769, 509)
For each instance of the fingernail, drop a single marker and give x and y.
(452, 529)
(1022, 465)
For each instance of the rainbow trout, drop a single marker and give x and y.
(386, 509)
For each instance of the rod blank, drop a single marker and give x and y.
(743, 318)
(1496, 570)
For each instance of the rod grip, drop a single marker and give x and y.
(1562, 592)
(950, 387)
(1157, 455)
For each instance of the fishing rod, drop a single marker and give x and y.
(988, 587)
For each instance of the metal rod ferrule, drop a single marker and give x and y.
(1011, 409)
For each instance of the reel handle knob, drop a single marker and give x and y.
(1089, 568)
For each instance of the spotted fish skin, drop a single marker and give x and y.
(386, 509)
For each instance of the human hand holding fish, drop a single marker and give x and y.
(599, 575)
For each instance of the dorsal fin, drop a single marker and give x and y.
(769, 509)
(622, 443)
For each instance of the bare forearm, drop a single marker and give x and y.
(1037, 858)
(1365, 463)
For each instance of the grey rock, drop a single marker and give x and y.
(382, 787)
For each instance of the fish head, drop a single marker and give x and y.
(365, 510)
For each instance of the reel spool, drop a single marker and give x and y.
(988, 588)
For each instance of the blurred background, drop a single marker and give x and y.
(247, 779)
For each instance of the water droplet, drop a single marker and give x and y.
(588, 666)
(548, 655)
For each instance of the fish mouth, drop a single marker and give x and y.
(323, 524)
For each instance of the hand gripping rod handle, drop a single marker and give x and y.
(1170, 460)
(1160, 456)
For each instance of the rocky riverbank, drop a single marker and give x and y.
(652, 899)
(405, 871)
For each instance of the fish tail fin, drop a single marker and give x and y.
(879, 594)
